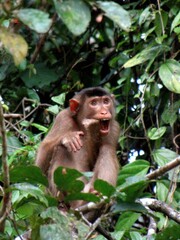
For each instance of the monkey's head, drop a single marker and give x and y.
(94, 104)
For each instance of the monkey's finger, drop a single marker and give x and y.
(80, 133)
(74, 146)
(77, 143)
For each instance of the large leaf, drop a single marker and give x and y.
(67, 180)
(163, 156)
(43, 76)
(169, 73)
(28, 191)
(104, 187)
(134, 169)
(116, 13)
(30, 174)
(149, 53)
(14, 44)
(35, 19)
(75, 15)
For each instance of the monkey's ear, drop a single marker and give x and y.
(74, 105)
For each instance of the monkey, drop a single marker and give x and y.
(84, 136)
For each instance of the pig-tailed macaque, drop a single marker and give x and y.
(84, 137)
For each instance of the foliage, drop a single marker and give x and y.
(50, 49)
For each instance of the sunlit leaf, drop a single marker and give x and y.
(116, 13)
(150, 53)
(39, 127)
(14, 44)
(60, 99)
(75, 15)
(169, 73)
(156, 133)
(28, 190)
(163, 156)
(175, 22)
(35, 19)
(134, 169)
(144, 15)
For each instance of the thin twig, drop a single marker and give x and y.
(6, 202)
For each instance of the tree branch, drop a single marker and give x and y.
(159, 172)
(162, 207)
(6, 201)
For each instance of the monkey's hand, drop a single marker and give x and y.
(72, 141)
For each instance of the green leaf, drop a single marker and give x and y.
(156, 133)
(150, 53)
(163, 156)
(42, 78)
(170, 232)
(28, 209)
(13, 144)
(35, 19)
(88, 197)
(40, 127)
(162, 191)
(116, 13)
(170, 114)
(66, 180)
(60, 99)
(53, 109)
(61, 225)
(134, 169)
(169, 74)
(75, 15)
(30, 174)
(122, 206)
(32, 94)
(28, 191)
(104, 187)
(137, 236)
(14, 44)
(161, 17)
(126, 220)
(144, 15)
(175, 22)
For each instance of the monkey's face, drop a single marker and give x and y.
(100, 109)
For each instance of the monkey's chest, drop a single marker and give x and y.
(91, 151)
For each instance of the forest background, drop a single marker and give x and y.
(51, 49)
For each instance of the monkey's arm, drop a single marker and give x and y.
(107, 165)
(64, 131)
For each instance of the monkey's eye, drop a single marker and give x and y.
(106, 101)
(93, 102)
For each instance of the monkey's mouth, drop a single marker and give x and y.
(104, 126)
